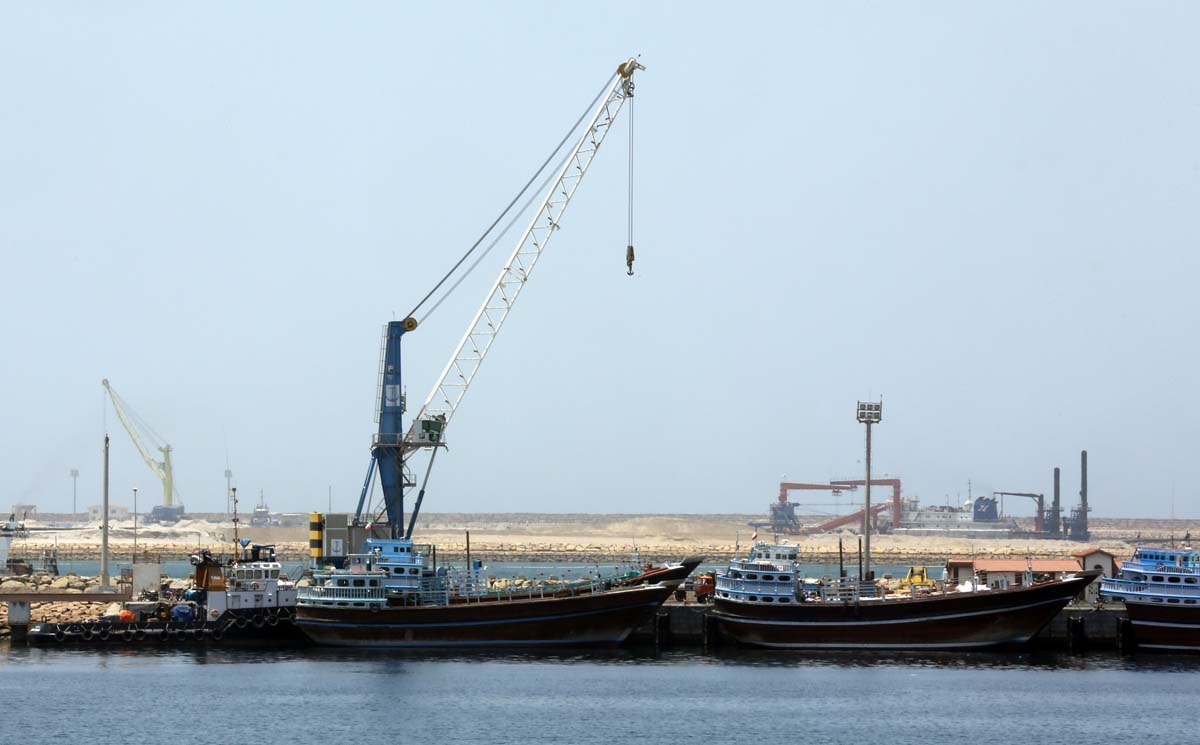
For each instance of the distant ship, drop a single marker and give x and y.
(762, 601)
(390, 596)
(1161, 591)
(978, 518)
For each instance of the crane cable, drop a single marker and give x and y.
(524, 188)
(629, 248)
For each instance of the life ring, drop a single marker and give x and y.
(214, 614)
(85, 634)
(102, 634)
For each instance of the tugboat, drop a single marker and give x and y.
(762, 601)
(244, 600)
(390, 596)
(1161, 591)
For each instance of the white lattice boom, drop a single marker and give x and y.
(464, 364)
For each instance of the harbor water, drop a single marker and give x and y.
(302, 696)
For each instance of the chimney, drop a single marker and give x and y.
(1083, 504)
(1055, 526)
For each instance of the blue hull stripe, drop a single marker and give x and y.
(453, 624)
(842, 622)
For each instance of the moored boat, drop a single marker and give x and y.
(761, 601)
(1160, 588)
(390, 596)
(247, 599)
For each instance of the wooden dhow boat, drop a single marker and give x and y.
(761, 601)
(389, 596)
(1160, 588)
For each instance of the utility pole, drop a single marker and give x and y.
(134, 525)
(228, 493)
(74, 491)
(104, 523)
(869, 412)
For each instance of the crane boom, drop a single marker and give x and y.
(162, 469)
(392, 446)
(443, 400)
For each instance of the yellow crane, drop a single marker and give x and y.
(139, 432)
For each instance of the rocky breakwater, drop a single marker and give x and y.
(68, 612)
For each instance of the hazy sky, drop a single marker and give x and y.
(987, 214)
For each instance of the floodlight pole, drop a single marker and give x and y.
(74, 492)
(868, 413)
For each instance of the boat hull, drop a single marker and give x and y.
(1168, 628)
(600, 619)
(996, 618)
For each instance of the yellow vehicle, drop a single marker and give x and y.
(917, 580)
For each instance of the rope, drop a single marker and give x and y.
(534, 194)
(500, 217)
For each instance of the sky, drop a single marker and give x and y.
(985, 214)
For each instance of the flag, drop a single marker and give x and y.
(755, 536)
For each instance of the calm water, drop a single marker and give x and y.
(612, 698)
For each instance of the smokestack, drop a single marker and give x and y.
(1055, 526)
(1083, 505)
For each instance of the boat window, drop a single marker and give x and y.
(1172, 579)
(359, 583)
(735, 575)
(784, 600)
(274, 574)
(768, 600)
(343, 583)
(1157, 578)
(754, 598)
(397, 570)
(751, 576)
(373, 583)
(1172, 600)
(412, 571)
(783, 578)
(1190, 580)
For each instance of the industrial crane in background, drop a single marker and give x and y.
(1039, 520)
(139, 431)
(393, 447)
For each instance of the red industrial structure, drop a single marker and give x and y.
(894, 483)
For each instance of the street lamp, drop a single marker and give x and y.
(869, 412)
(74, 490)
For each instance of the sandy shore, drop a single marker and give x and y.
(587, 538)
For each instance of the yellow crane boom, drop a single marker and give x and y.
(135, 426)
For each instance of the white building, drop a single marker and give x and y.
(115, 512)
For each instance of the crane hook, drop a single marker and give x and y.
(629, 259)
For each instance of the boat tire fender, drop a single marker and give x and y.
(217, 634)
(259, 622)
(242, 622)
(59, 635)
(272, 620)
(102, 633)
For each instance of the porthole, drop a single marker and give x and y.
(768, 600)
(784, 600)
(754, 598)
(1173, 579)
